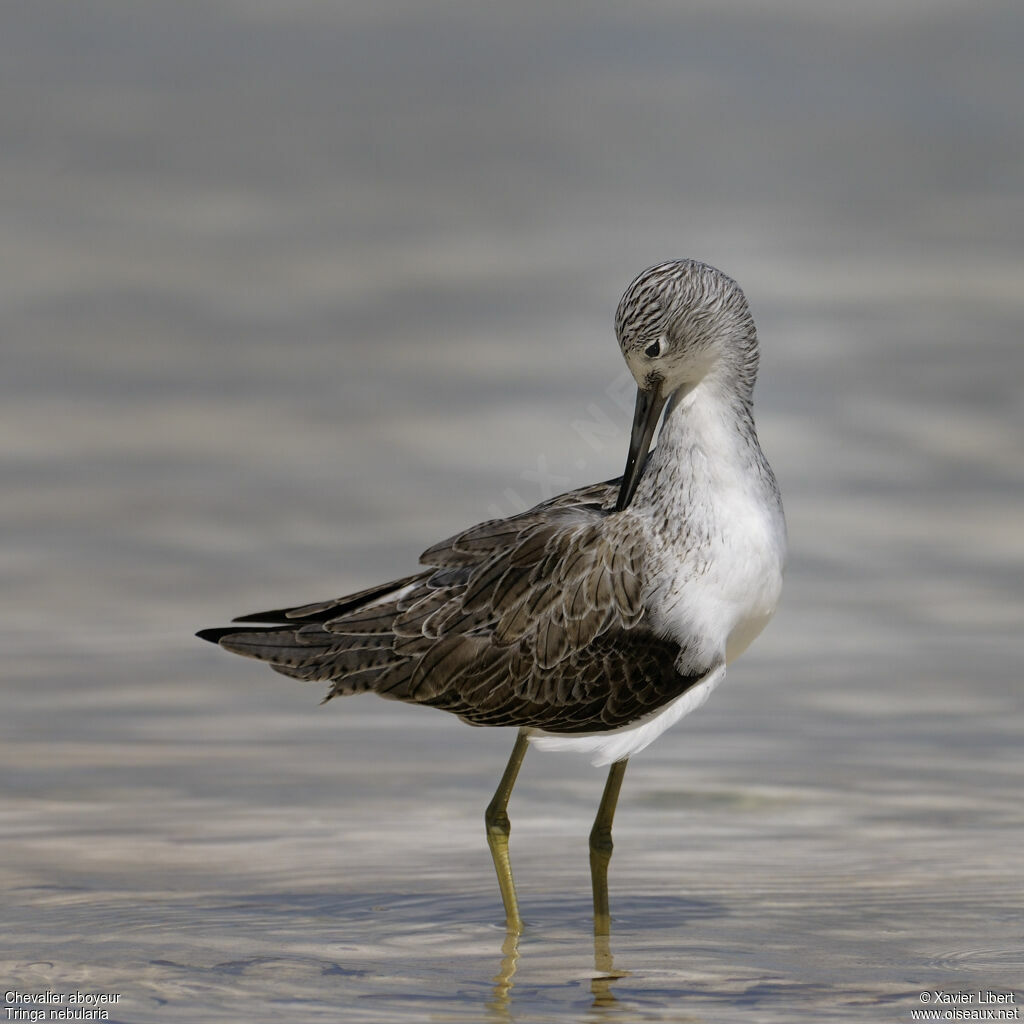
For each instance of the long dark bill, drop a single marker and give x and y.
(645, 421)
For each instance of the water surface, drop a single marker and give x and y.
(292, 291)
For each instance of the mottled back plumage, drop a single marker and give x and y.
(536, 621)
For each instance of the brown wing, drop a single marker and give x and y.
(535, 620)
(470, 546)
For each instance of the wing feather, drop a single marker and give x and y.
(536, 620)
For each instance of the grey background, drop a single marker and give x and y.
(292, 290)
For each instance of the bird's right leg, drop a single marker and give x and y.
(498, 828)
(601, 847)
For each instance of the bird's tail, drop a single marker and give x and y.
(347, 641)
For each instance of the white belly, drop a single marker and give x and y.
(715, 601)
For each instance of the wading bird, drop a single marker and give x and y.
(599, 618)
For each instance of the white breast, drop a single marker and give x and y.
(714, 599)
(716, 532)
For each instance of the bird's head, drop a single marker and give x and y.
(678, 324)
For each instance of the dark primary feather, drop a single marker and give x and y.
(321, 610)
(535, 620)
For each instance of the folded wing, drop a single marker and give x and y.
(536, 620)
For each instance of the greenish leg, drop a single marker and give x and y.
(498, 828)
(601, 847)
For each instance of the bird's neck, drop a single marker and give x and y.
(707, 451)
(711, 414)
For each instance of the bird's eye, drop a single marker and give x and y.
(654, 349)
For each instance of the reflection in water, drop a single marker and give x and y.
(604, 962)
(500, 1002)
(601, 983)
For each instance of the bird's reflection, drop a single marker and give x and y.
(500, 1003)
(608, 974)
(500, 998)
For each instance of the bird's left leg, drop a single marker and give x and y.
(601, 847)
(498, 828)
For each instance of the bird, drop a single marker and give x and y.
(597, 619)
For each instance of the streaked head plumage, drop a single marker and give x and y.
(679, 324)
(677, 318)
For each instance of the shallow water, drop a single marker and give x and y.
(293, 291)
(208, 864)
